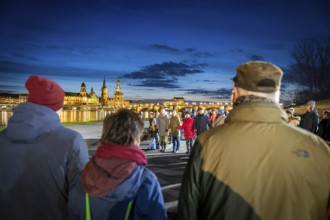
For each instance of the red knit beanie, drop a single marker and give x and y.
(45, 92)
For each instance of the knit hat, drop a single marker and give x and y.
(311, 103)
(258, 76)
(45, 92)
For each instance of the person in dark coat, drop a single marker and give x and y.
(152, 131)
(202, 122)
(323, 126)
(310, 119)
(39, 157)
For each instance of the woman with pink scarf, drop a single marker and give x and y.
(115, 184)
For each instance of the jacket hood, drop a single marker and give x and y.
(121, 178)
(30, 122)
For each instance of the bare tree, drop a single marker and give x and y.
(312, 66)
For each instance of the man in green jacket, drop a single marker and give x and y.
(257, 166)
(175, 132)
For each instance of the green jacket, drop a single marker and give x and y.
(257, 166)
(174, 123)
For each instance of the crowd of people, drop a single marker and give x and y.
(167, 127)
(311, 120)
(256, 162)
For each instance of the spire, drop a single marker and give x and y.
(118, 89)
(104, 83)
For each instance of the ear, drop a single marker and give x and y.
(235, 94)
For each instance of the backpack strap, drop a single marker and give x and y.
(88, 208)
(128, 210)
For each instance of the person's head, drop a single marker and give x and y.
(125, 127)
(46, 92)
(174, 112)
(326, 114)
(289, 113)
(257, 78)
(200, 110)
(156, 113)
(151, 115)
(310, 105)
(162, 111)
(187, 115)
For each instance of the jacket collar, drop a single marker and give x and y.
(257, 112)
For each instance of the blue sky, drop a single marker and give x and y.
(159, 49)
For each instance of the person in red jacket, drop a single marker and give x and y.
(189, 133)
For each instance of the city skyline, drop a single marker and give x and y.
(158, 49)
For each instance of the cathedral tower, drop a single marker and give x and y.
(104, 98)
(83, 90)
(118, 96)
(83, 93)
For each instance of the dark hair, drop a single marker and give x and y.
(124, 127)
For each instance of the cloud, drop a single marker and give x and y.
(203, 54)
(26, 57)
(223, 93)
(199, 54)
(164, 75)
(159, 83)
(191, 50)
(254, 57)
(164, 47)
(236, 50)
(166, 70)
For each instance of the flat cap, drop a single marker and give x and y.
(258, 76)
